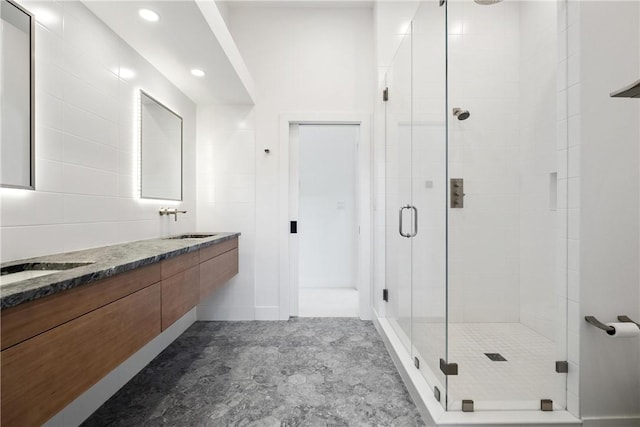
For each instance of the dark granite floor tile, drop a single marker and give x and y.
(302, 372)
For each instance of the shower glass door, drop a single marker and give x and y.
(416, 193)
(428, 188)
(398, 192)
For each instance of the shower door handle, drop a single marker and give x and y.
(400, 221)
(415, 221)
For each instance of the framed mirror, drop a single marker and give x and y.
(160, 150)
(17, 139)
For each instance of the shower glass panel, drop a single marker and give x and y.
(398, 192)
(505, 322)
(429, 192)
(477, 201)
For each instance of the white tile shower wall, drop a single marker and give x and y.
(607, 32)
(298, 66)
(86, 142)
(538, 163)
(227, 201)
(484, 54)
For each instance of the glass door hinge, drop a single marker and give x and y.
(546, 405)
(562, 366)
(385, 94)
(436, 393)
(448, 368)
(385, 295)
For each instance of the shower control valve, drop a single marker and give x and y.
(456, 195)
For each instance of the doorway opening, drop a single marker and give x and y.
(324, 213)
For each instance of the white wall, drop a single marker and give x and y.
(226, 200)
(302, 60)
(607, 48)
(86, 142)
(327, 206)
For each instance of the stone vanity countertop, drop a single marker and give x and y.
(104, 262)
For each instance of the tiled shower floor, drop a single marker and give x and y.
(527, 376)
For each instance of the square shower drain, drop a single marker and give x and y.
(496, 357)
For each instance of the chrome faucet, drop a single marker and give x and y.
(171, 211)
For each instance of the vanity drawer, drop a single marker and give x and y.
(30, 319)
(44, 374)
(175, 265)
(180, 293)
(216, 271)
(215, 250)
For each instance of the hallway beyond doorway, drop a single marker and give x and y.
(328, 302)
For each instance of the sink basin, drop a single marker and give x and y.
(192, 236)
(16, 273)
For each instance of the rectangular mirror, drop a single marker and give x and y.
(17, 97)
(160, 151)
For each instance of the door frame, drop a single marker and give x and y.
(288, 298)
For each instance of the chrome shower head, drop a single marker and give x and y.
(461, 114)
(487, 2)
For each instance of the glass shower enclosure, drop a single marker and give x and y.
(475, 193)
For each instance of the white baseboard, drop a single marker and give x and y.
(209, 313)
(215, 313)
(267, 313)
(88, 402)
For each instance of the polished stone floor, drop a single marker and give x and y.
(302, 372)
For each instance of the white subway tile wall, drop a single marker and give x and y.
(87, 142)
(227, 200)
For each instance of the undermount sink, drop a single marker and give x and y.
(193, 236)
(16, 273)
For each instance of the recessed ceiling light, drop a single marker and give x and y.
(148, 15)
(125, 73)
(197, 72)
(404, 28)
(45, 16)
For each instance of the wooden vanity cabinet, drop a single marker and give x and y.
(55, 348)
(42, 375)
(218, 264)
(180, 293)
(32, 318)
(188, 279)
